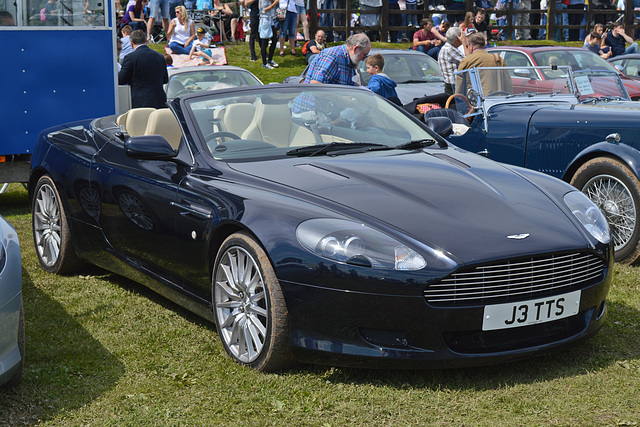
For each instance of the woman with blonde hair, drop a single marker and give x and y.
(182, 32)
(467, 23)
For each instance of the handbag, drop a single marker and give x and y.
(281, 14)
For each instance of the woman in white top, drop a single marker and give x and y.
(181, 33)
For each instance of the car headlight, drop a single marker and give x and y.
(354, 243)
(589, 215)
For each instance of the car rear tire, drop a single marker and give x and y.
(17, 376)
(616, 190)
(249, 308)
(51, 232)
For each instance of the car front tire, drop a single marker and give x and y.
(616, 190)
(250, 311)
(51, 232)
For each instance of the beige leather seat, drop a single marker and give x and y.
(122, 119)
(272, 123)
(237, 117)
(135, 120)
(163, 122)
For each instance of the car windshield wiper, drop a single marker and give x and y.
(610, 98)
(417, 143)
(342, 147)
(596, 99)
(529, 94)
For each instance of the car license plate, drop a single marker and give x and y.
(523, 313)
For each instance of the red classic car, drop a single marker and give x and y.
(576, 58)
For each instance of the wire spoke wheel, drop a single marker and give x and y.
(616, 201)
(615, 189)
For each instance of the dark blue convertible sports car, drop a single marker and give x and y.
(579, 126)
(322, 223)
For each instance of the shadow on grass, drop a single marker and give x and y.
(616, 343)
(66, 368)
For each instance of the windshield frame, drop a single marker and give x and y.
(572, 82)
(383, 123)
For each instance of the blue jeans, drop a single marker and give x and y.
(180, 49)
(288, 27)
(633, 48)
(542, 35)
(561, 19)
(431, 51)
(412, 19)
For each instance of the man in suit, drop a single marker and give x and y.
(146, 71)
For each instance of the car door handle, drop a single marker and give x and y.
(104, 169)
(199, 211)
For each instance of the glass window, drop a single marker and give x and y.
(52, 13)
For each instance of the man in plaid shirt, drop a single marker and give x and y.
(450, 57)
(336, 65)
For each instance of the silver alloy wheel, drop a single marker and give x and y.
(614, 198)
(47, 225)
(241, 304)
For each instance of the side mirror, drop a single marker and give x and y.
(440, 125)
(149, 147)
(522, 72)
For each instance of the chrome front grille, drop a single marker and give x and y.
(515, 280)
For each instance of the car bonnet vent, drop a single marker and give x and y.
(451, 160)
(320, 171)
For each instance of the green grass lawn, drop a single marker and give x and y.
(102, 350)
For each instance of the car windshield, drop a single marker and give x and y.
(505, 83)
(199, 80)
(302, 120)
(405, 68)
(580, 59)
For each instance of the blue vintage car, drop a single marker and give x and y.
(322, 223)
(12, 344)
(579, 126)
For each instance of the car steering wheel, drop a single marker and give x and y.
(461, 96)
(499, 92)
(222, 135)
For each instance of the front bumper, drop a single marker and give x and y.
(358, 329)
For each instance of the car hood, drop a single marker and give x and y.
(448, 199)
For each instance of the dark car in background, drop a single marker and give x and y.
(322, 223)
(580, 126)
(574, 57)
(416, 74)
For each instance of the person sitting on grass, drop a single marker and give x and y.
(594, 45)
(201, 48)
(379, 82)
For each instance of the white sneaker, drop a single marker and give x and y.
(273, 64)
(267, 65)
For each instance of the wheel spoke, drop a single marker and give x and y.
(616, 201)
(241, 304)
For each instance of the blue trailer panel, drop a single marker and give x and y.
(58, 71)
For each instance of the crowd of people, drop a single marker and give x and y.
(273, 23)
